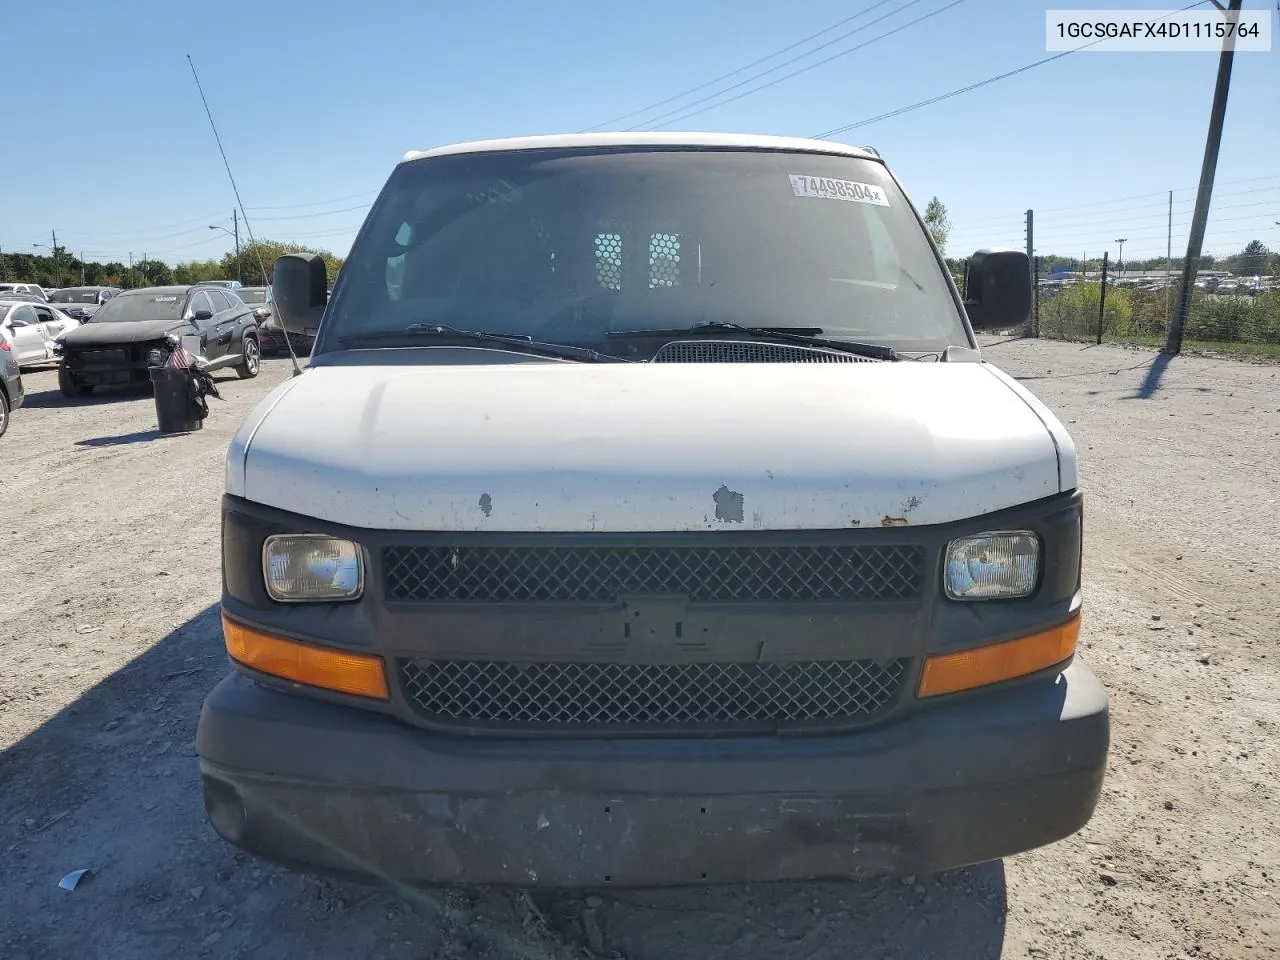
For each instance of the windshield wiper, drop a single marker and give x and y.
(805, 335)
(521, 343)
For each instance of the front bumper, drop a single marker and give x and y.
(121, 365)
(973, 778)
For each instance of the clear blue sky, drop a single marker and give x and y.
(317, 100)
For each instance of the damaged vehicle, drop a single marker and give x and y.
(136, 330)
(649, 515)
(31, 329)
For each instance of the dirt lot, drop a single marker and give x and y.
(109, 630)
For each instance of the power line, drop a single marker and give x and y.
(327, 233)
(322, 213)
(734, 73)
(136, 239)
(786, 63)
(946, 96)
(668, 118)
(1209, 234)
(1060, 234)
(1103, 228)
(314, 203)
(1162, 216)
(127, 235)
(973, 86)
(1020, 215)
(1110, 216)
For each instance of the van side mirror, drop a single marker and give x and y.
(998, 289)
(300, 289)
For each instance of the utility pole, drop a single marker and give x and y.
(1120, 258)
(1102, 295)
(57, 269)
(235, 224)
(1205, 191)
(1031, 263)
(82, 281)
(1168, 273)
(1035, 310)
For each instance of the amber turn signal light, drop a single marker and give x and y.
(981, 666)
(338, 670)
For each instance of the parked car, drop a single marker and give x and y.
(32, 330)
(11, 392)
(270, 332)
(664, 525)
(229, 284)
(82, 302)
(32, 288)
(137, 329)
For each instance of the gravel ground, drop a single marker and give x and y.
(111, 640)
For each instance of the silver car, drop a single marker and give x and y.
(11, 393)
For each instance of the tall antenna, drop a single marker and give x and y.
(244, 216)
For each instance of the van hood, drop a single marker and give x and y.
(649, 447)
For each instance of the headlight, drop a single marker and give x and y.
(310, 567)
(993, 566)
(157, 356)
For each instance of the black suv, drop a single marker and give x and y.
(138, 329)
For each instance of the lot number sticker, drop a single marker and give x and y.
(825, 188)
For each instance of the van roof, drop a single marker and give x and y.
(657, 139)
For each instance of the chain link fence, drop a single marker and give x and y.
(1227, 315)
(1236, 321)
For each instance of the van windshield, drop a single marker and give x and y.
(573, 245)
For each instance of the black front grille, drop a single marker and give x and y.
(632, 697)
(105, 357)
(539, 574)
(749, 351)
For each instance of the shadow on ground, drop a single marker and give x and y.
(110, 783)
(107, 394)
(54, 398)
(1151, 382)
(142, 436)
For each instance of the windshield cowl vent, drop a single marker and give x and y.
(749, 351)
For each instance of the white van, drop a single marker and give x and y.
(648, 514)
(31, 289)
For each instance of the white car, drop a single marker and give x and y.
(31, 329)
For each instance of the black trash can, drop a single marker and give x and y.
(177, 410)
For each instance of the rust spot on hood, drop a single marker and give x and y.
(893, 522)
(729, 505)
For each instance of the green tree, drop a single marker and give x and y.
(195, 271)
(939, 224)
(257, 261)
(1252, 261)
